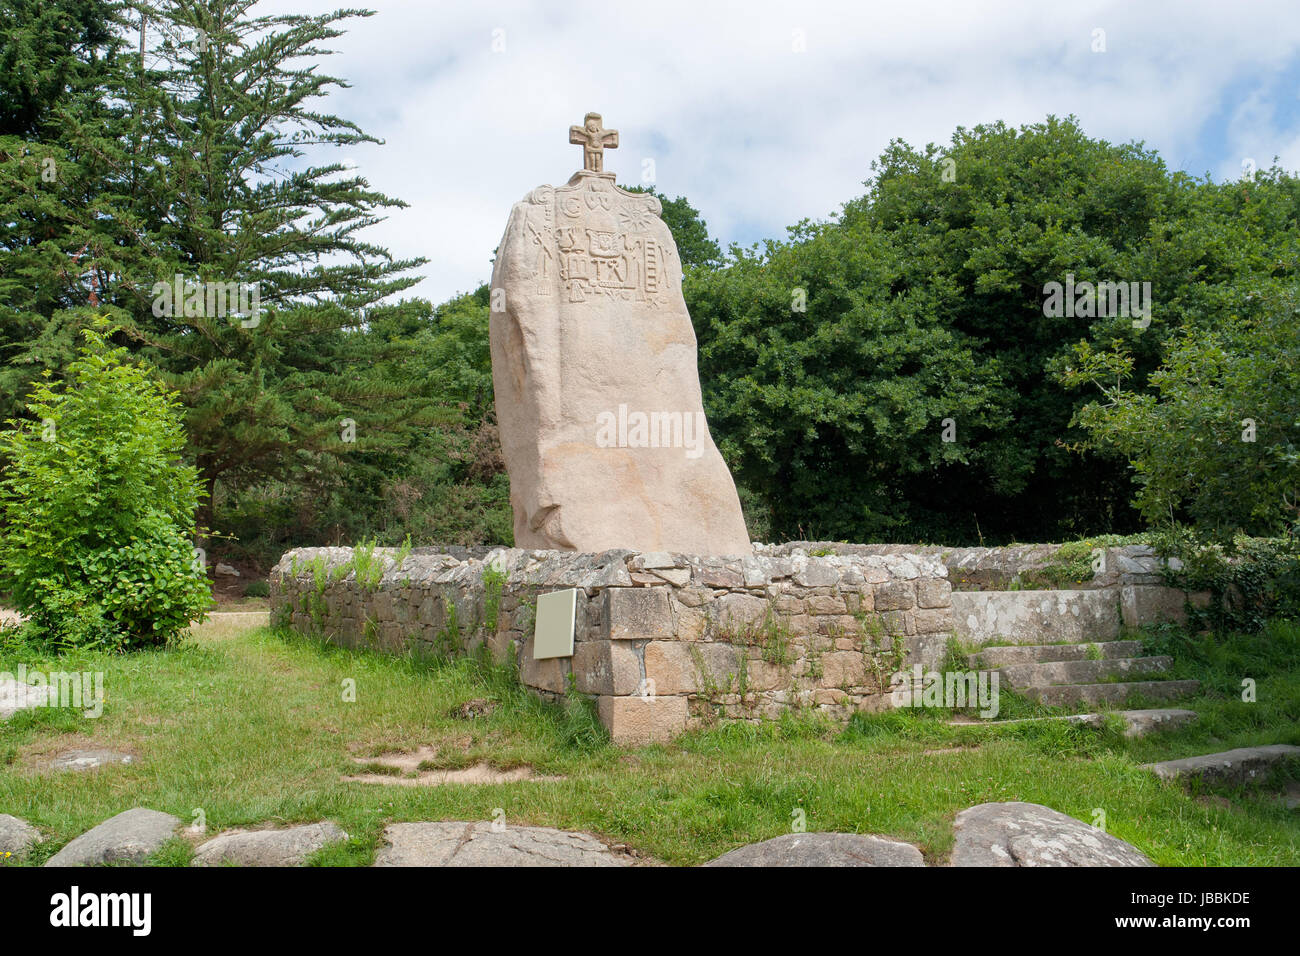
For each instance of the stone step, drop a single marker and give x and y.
(1082, 672)
(1072, 695)
(1035, 653)
(1138, 723)
(1036, 617)
(1231, 766)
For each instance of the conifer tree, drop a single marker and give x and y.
(58, 133)
(230, 196)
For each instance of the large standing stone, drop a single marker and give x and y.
(128, 837)
(823, 849)
(1026, 834)
(287, 847)
(477, 844)
(594, 367)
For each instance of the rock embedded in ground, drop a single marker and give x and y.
(227, 571)
(823, 849)
(17, 695)
(455, 843)
(1027, 834)
(289, 846)
(1231, 766)
(89, 759)
(1291, 795)
(1137, 723)
(478, 707)
(479, 773)
(129, 837)
(16, 836)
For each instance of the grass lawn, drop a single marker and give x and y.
(251, 726)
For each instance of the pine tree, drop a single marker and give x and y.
(58, 135)
(226, 119)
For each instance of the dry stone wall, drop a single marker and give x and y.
(1073, 566)
(663, 642)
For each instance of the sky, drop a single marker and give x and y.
(766, 113)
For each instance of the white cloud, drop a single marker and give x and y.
(758, 136)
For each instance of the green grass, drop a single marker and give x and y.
(250, 726)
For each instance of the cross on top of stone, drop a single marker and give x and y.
(594, 140)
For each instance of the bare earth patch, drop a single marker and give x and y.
(403, 769)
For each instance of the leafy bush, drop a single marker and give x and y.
(98, 510)
(1251, 581)
(1218, 440)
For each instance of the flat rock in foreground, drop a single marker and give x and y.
(1231, 766)
(1027, 834)
(16, 836)
(89, 759)
(287, 847)
(128, 837)
(823, 849)
(454, 843)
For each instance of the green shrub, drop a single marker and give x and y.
(98, 509)
(1250, 580)
(257, 589)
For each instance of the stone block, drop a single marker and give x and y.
(827, 604)
(934, 592)
(789, 604)
(817, 574)
(934, 620)
(693, 597)
(692, 623)
(765, 675)
(679, 577)
(895, 596)
(636, 721)
(636, 614)
(669, 668)
(843, 669)
(550, 674)
(1141, 605)
(672, 667)
(606, 667)
(430, 610)
(718, 577)
(740, 613)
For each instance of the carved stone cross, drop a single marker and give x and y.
(594, 140)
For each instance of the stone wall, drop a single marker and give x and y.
(1074, 566)
(663, 642)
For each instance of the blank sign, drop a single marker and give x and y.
(553, 634)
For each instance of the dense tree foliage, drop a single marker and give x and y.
(896, 372)
(57, 128)
(231, 265)
(925, 301)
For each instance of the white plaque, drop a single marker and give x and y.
(553, 633)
